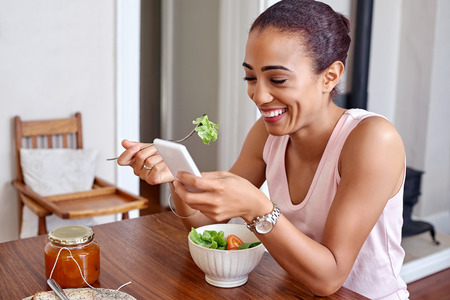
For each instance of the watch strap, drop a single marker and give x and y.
(272, 217)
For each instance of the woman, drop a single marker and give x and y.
(335, 175)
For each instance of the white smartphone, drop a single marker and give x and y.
(177, 158)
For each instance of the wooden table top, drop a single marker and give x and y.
(152, 252)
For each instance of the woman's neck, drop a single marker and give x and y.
(309, 143)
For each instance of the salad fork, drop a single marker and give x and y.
(175, 141)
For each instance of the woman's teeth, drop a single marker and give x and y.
(273, 113)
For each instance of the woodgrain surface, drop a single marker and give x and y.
(151, 252)
(435, 286)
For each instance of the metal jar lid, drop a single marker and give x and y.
(71, 235)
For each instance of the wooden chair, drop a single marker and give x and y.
(103, 199)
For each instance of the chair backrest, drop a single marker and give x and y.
(55, 133)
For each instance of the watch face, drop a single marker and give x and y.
(263, 226)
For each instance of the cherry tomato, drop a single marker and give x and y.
(233, 242)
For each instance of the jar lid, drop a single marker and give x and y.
(71, 235)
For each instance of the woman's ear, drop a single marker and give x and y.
(331, 76)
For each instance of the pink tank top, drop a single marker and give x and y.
(375, 273)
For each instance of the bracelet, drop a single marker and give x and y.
(170, 205)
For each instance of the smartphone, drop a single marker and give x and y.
(177, 158)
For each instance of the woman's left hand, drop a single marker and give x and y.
(223, 196)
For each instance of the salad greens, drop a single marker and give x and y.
(248, 245)
(209, 239)
(215, 240)
(206, 129)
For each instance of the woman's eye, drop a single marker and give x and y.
(278, 81)
(249, 78)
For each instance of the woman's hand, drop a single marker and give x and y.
(224, 196)
(146, 163)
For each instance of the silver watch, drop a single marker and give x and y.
(264, 224)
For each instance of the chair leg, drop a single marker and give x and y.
(125, 216)
(42, 226)
(20, 212)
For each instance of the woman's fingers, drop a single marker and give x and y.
(127, 157)
(224, 195)
(216, 174)
(131, 150)
(208, 181)
(148, 155)
(146, 163)
(200, 200)
(214, 198)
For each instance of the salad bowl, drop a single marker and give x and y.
(227, 268)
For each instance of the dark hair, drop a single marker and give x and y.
(323, 32)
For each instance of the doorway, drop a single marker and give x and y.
(150, 90)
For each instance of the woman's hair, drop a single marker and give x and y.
(323, 32)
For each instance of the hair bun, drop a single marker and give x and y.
(345, 21)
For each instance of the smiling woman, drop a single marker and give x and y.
(336, 175)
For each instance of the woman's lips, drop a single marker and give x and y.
(273, 115)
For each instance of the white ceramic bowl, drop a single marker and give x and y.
(227, 268)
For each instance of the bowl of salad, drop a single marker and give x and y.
(226, 253)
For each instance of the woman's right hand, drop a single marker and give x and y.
(146, 163)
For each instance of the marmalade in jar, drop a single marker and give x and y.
(80, 241)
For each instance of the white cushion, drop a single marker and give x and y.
(58, 171)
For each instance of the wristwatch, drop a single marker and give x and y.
(264, 224)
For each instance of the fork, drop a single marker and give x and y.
(175, 141)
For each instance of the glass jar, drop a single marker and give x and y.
(80, 241)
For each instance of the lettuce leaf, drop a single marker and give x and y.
(209, 239)
(215, 240)
(206, 129)
(248, 245)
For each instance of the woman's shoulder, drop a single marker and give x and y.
(373, 136)
(370, 123)
(375, 126)
(374, 155)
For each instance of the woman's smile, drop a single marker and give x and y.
(273, 115)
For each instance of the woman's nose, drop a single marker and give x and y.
(261, 94)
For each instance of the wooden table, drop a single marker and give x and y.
(151, 252)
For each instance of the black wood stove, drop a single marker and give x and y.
(410, 198)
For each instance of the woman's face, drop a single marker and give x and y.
(281, 81)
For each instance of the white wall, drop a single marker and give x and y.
(409, 74)
(56, 58)
(414, 77)
(384, 56)
(436, 188)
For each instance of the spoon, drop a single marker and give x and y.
(57, 289)
(176, 141)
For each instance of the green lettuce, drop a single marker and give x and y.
(215, 240)
(206, 129)
(248, 245)
(209, 239)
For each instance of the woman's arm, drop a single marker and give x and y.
(247, 171)
(372, 171)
